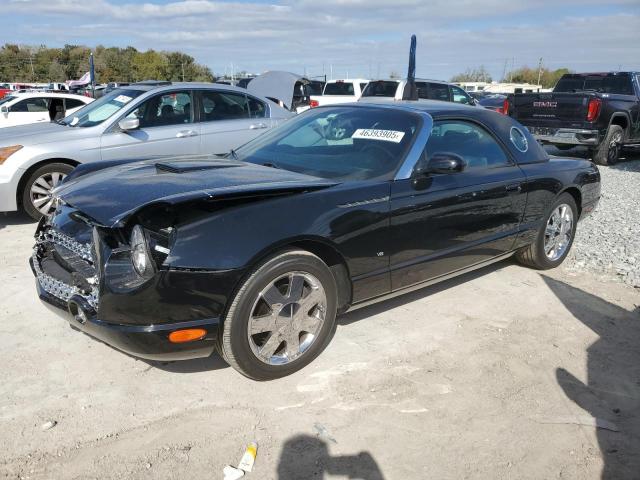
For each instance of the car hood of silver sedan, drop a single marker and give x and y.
(40, 133)
(111, 195)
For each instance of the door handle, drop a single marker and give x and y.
(186, 133)
(256, 126)
(514, 188)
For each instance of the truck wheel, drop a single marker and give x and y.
(555, 236)
(608, 151)
(36, 193)
(281, 318)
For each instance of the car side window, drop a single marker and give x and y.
(173, 108)
(362, 87)
(438, 91)
(459, 96)
(220, 105)
(257, 109)
(73, 103)
(469, 140)
(423, 91)
(30, 105)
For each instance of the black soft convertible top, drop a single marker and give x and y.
(499, 124)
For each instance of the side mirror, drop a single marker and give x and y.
(4, 109)
(443, 162)
(129, 124)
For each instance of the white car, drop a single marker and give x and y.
(34, 107)
(393, 89)
(340, 91)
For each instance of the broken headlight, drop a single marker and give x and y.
(140, 255)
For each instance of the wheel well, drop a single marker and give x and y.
(577, 196)
(621, 121)
(34, 167)
(336, 263)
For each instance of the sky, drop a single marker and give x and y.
(346, 38)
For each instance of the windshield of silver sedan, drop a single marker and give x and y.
(337, 143)
(97, 112)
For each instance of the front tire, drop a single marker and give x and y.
(608, 151)
(555, 236)
(282, 317)
(36, 193)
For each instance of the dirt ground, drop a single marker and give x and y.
(503, 373)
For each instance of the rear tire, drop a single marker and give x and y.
(608, 151)
(36, 192)
(555, 236)
(289, 304)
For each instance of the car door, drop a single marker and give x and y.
(29, 110)
(229, 119)
(443, 222)
(458, 95)
(166, 128)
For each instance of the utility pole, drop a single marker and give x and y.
(182, 64)
(33, 75)
(504, 70)
(513, 65)
(539, 70)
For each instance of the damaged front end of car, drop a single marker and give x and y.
(114, 284)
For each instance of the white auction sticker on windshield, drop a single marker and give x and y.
(384, 135)
(122, 99)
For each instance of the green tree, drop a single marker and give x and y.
(478, 74)
(41, 64)
(548, 78)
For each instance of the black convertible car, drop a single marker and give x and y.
(255, 254)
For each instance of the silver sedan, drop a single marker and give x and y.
(142, 120)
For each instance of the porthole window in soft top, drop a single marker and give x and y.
(518, 139)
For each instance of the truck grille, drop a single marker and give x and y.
(65, 267)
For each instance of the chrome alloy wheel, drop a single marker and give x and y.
(40, 192)
(286, 317)
(614, 147)
(557, 235)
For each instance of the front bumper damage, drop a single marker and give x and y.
(68, 279)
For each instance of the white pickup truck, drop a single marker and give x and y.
(340, 91)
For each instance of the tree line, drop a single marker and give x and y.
(112, 64)
(548, 78)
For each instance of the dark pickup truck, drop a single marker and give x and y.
(598, 110)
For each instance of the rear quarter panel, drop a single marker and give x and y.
(546, 181)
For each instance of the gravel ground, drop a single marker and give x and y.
(608, 241)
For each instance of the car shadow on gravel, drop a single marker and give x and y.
(304, 456)
(14, 218)
(611, 394)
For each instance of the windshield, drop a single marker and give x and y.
(337, 143)
(7, 99)
(381, 88)
(97, 112)
(620, 84)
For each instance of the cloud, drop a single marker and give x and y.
(355, 37)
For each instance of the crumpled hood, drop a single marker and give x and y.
(111, 195)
